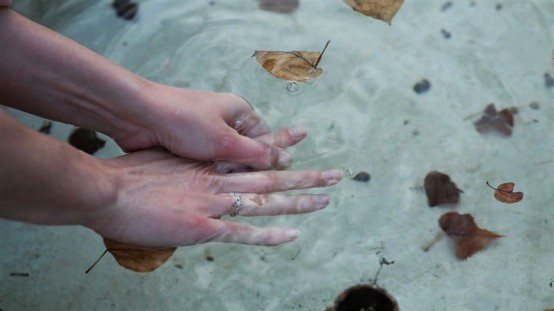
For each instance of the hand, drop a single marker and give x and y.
(208, 126)
(137, 113)
(164, 200)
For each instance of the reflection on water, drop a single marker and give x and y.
(371, 111)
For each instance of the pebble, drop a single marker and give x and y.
(46, 127)
(447, 5)
(125, 9)
(362, 176)
(86, 140)
(422, 86)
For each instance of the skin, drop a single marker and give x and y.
(191, 151)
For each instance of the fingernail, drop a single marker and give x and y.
(332, 176)
(298, 131)
(291, 234)
(321, 200)
(285, 159)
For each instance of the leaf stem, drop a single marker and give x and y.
(97, 260)
(491, 186)
(320, 55)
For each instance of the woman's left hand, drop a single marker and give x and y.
(163, 200)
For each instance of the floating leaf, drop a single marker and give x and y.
(468, 237)
(440, 189)
(137, 258)
(379, 9)
(86, 140)
(292, 66)
(504, 193)
(492, 120)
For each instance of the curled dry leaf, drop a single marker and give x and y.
(137, 258)
(468, 237)
(504, 193)
(440, 189)
(492, 120)
(379, 9)
(292, 66)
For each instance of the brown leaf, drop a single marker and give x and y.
(379, 9)
(137, 258)
(292, 66)
(468, 237)
(500, 121)
(440, 189)
(504, 193)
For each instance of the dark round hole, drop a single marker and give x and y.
(365, 297)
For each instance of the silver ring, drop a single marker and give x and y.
(237, 205)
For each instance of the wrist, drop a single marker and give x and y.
(46, 181)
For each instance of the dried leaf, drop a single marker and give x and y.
(137, 258)
(504, 193)
(379, 9)
(292, 66)
(492, 120)
(440, 189)
(468, 237)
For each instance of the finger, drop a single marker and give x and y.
(223, 168)
(268, 205)
(274, 181)
(236, 232)
(285, 137)
(244, 150)
(246, 120)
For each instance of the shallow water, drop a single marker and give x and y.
(362, 115)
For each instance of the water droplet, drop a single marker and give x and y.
(292, 87)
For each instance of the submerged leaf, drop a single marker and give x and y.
(278, 6)
(379, 9)
(137, 258)
(504, 193)
(492, 120)
(468, 237)
(440, 189)
(292, 66)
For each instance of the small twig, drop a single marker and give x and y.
(23, 274)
